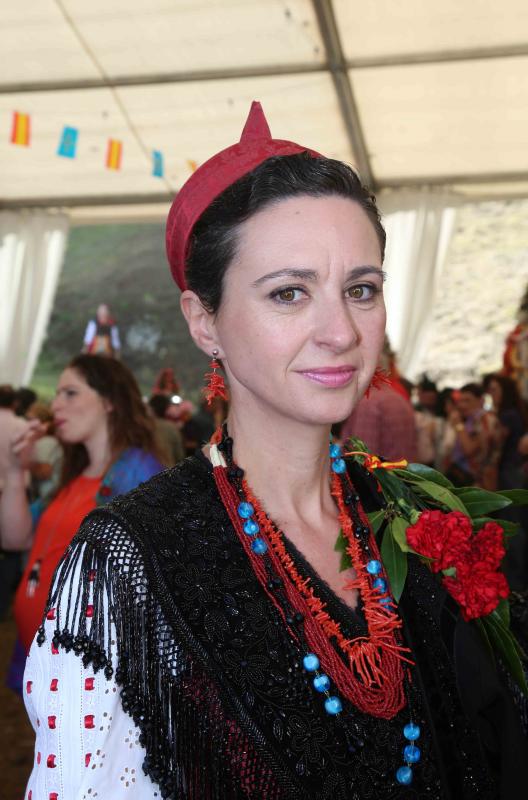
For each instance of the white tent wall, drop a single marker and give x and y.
(414, 94)
(32, 249)
(419, 228)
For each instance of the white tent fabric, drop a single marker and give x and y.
(31, 255)
(419, 228)
(413, 93)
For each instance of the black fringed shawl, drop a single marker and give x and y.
(214, 681)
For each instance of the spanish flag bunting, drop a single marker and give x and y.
(157, 164)
(114, 153)
(21, 130)
(68, 142)
(193, 166)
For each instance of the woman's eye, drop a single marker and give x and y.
(362, 291)
(287, 295)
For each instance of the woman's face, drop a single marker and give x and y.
(80, 413)
(302, 318)
(495, 390)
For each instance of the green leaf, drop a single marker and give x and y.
(450, 572)
(398, 491)
(501, 616)
(507, 648)
(353, 443)
(345, 562)
(485, 637)
(503, 613)
(509, 528)
(340, 543)
(519, 497)
(421, 472)
(376, 519)
(479, 502)
(441, 495)
(398, 528)
(395, 563)
(340, 546)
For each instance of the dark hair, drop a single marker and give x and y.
(128, 422)
(159, 404)
(426, 384)
(473, 388)
(511, 397)
(441, 401)
(214, 238)
(7, 396)
(24, 398)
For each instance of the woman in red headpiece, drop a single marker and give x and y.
(200, 640)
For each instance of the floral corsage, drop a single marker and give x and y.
(449, 529)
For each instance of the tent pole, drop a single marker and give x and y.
(347, 102)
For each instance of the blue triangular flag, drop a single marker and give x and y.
(157, 164)
(68, 142)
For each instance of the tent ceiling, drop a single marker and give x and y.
(412, 92)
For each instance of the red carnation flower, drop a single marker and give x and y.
(477, 586)
(443, 537)
(487, 546)
(477, 590)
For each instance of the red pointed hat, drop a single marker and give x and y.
(255, 146)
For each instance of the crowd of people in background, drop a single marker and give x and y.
(476, 435)
(99, 438)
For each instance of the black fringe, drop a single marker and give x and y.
(194, 748)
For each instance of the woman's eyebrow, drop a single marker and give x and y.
(288, 272)
(359, 272)
(312, 275)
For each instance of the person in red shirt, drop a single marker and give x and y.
(109, 448)
(385, 422)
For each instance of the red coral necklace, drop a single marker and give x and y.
(371, 676)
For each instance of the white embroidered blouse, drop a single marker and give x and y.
(86, 746)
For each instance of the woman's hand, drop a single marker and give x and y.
(21, 450)
(455, 418)
(16, 524)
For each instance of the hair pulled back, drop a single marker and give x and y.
(128, 422)
(214, 239)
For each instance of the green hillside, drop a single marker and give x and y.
(124, 266)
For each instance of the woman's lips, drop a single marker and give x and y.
(330, 376)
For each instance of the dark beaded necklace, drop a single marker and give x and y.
(374, 682)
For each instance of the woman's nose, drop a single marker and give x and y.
(336, 327)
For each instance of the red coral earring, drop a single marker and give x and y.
(215, 386)
(379, 378)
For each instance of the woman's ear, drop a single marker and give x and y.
(200, 321)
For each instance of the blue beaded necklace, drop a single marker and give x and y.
(311, 662)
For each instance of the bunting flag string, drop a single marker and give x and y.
(157, 164)
(20, 134)
(114, 153)
(21, 129)
(68, 142)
